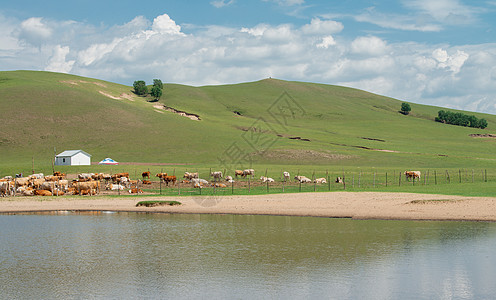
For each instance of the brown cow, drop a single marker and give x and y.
(135, 191)
(238, 173)
(146, 174)
(161, 176)
(42, 193)
(168, 179)
(147, 182)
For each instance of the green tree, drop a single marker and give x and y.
(158, 82)
(156, 92)
(405, 108)
(140, 88)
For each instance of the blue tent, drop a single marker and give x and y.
(108, 161)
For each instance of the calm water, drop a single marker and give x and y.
(129, 255)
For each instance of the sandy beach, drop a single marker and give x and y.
(367, 205)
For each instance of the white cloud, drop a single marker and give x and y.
(326, 42)
(287, 2)
(221, 3)
(163, 24)
(34, 31)
(369, 45)
(317, 26)
(446, 11)
(57, 62)
(396, 21)
(453, 62)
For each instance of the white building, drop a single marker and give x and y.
(73, 158)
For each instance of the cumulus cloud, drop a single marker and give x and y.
(34, 31)
(163, 24)
(369, 45)
(326, 42)
(317, 26)
(453, 62)
(57, 62)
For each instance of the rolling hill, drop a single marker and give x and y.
(267, 122)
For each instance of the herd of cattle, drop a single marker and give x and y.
(91, 183)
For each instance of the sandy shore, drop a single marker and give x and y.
(369, 205)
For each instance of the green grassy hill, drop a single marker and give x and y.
(270, 122)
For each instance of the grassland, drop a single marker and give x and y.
(270, 124)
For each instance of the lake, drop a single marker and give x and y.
(143, 255)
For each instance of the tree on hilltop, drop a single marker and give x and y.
(156, 92)
(405, 108)
(158, 82)
(140, 87)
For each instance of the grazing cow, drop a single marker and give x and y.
(302, 179)
(6, 188)
(42, 193)
(238, 173)
(189, 175)
(320, 180)
(135, 191)
(63, 184)
(249, 172)
(36, 183)
(266, 179)
(87, 185)
(412, 174)
(286, 175)
(161, 176)
(168, 179)
(146, 175)
(216, 175)
(47, 186)
(22, 181)
(85, 176)
(339, 180)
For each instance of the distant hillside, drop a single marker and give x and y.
(268, 121)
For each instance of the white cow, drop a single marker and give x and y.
(320, 180)
(266, 179)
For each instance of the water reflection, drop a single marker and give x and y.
(136, 255)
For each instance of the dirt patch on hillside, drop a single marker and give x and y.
(108, 95)
(302, 155)
(77, 82)
(191, 116)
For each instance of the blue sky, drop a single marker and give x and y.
(439, 52)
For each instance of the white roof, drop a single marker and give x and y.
(72, 153)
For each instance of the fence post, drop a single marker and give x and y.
(485, 175)
(300, 187)
(249, 184)
(472, 175)
(329, 181)
(435, 177)
(386, 179)
(359, 178)
(459, 176)
(399, 180)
